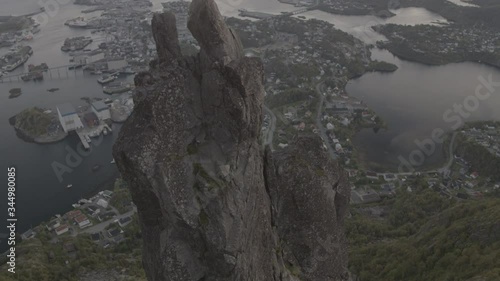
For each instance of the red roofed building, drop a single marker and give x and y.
(82, 221)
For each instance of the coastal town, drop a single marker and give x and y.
(442, 44)
(308, 64)
(102, 217)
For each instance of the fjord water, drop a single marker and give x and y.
(40, 194)
(361, 26)
(412, 101)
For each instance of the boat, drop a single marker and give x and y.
(77, 22)
(106, 79)
(95, 168)
(69, 186)
(113, 161)
(105, 131)
(76, 205)
(116, 88)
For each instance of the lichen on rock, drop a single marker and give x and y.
(212, 205)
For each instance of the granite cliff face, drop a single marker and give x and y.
(212, 205)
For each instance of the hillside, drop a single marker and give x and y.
(422, 236)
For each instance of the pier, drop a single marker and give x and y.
(81, 135)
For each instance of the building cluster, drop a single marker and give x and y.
(15, 58)
(128, 44)
(487, 136)
(94, 216)
(297, 52)
(348, 7)
(444, 39)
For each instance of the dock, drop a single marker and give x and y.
(81, 135)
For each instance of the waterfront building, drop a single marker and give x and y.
(68, 117)
(101, 110)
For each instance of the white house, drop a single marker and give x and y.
(68, 117)
(103, 203)
(101, 110)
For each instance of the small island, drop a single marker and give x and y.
(14, 93)
(38, 125)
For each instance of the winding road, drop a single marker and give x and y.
(320, 127)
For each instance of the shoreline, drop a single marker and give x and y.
(427, 63)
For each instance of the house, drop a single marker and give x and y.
(474, 175)
(101, 110)
(372, 175)
(366, 195)
(387, 190)
(83, 221)
(118, 238)
(389, 177)
(96, 237)
(68, 117)
(103, 203)
(72, 214)
(330, 126)
(28, 234)
(93, 210)
(62, 229)
(107, 194)
(124, 221)
(114, 232)
(53, 225)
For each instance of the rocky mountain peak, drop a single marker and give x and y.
(212, 205)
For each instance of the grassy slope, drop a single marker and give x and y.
(426, 237)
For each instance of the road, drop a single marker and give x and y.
(321, 129)
(270, 131)
(101, 226)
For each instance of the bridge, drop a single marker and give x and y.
(52, 73)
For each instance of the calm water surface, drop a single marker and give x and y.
(412, 102)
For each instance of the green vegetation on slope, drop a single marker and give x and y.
(289, 96)
(479, 157)
(427, 237)
(68, 258)
(122, 198)
(33, 121)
